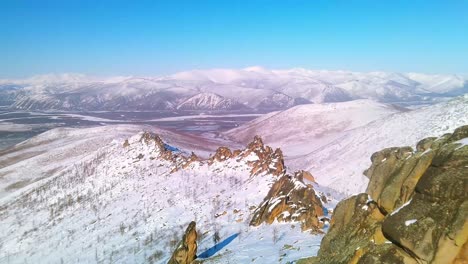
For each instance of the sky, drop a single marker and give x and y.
(162, 37)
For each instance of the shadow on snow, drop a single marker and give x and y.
(213, 250)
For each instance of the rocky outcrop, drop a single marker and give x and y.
(415, 209)
(186, 250)
(263, 158)
(289, 199)
(150, 138)
(221, 154)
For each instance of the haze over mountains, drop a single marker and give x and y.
(249, 89)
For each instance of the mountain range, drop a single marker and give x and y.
(249, 89)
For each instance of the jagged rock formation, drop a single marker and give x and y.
(261, 158)
(268, 161)
(289, 199)
(415, 209)
(186, 250)
(221, 154)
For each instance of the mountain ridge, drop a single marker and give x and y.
(248, 86)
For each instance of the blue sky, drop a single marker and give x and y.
(160, 37)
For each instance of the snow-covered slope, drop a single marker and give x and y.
(129, 201)
(50, 153)
(340, 163)
(280, 101)
(301, 129)
(253, 87)
(209, 101)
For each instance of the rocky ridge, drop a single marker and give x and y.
(158, 186)
(414, 209)
(289, 199)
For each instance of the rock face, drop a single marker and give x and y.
(415, 209)
(186, 250)
(289, 199)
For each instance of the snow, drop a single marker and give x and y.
(410, 222)
(107, 202)
(209, 101)
(301, 129)
(463, 142)
(401, 207)
(339, 164)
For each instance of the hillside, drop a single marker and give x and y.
(301, 129)
(340, 163)
(130, 199)
(210, 101)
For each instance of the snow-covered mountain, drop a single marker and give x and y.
(301, 129)
(340, 164)
(280, 101)
(103, 194)
(254, 87)
(335, 141)
(210, 101)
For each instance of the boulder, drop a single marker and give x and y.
(186, 250)
(415, 209)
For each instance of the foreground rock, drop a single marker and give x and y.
(415, 209)
(289, 199)
(186, 250)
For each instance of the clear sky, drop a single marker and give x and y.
(159, 37)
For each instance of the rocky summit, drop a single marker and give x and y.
(415, 208)
(289, 199)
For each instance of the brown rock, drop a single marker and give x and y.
(221, 154)
(420, 212)
(150, 138)
(289, 199)
(186, 250)
(126, 143)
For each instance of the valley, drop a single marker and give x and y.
(18, 126)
